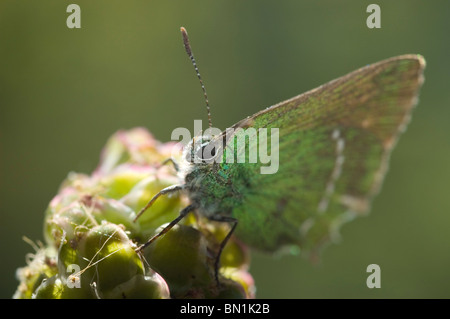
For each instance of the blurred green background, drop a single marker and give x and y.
(63, 92)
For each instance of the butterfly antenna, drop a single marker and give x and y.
(187, 46)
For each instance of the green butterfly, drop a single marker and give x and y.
(334, 146)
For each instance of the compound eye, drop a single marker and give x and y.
(206, 153)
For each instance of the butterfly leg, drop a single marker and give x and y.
(173, 162)
(183, 214)
(164, 191)
(224, 219)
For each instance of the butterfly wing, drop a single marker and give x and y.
(334, 146)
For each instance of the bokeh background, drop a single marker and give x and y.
(63, 92)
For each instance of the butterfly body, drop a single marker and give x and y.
(218, 188)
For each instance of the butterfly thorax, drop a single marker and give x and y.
(215, 188)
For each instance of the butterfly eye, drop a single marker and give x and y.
(202, 151)
(206, 153)
(205, 150)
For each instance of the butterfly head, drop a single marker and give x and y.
(201, 150)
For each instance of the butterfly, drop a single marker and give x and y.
(334, 146)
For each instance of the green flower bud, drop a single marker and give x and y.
(40, 266)
(241, 277)
(107, 256)
(50, 288)
(70, 222)
(140, 287)
(181, 258)
(231, 290)
(60, 288)
(235, 254)
(123, 178)
(162, 211)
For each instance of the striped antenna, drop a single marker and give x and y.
(187, 46)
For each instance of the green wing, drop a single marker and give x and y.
(334, 147)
